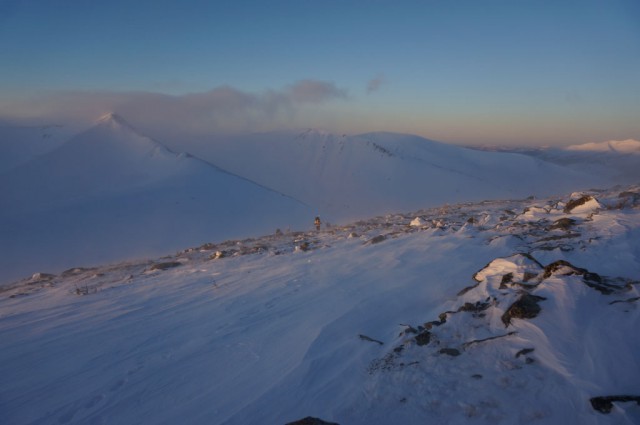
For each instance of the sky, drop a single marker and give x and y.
(468, 72)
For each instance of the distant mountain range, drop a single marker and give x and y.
(111, 193)
(351, 177)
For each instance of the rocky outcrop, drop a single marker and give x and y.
(309, 420)
(525, 308)
(605, 404)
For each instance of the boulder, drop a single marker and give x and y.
(526, 307)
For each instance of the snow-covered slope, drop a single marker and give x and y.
(21, 143)
(111, 193)
(613, 161)
(348, 177)
(513, 312)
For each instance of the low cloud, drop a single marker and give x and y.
(312, 91)
(223, 108)
(374, 84)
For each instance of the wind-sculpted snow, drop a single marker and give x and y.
(517, 311)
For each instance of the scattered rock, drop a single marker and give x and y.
(165, 266)
(592, 280)
(408, 330)
(366, 338)
(453, 352)
(628, 300)
(207, 247)
(218, 254)
(417, 222)
(476, 307)
(491, 338)
(525, 308)
(563, 224)
(524, 352)
(42, 276)
(74, 271)
(605, 404)
(376, 239)
(575, 203)
(506, 279)
(423, 338)
(309, 420)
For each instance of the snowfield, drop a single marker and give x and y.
(513, 312)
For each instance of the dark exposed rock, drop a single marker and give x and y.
(219, 254)
(423, 338)
(377, 239)
(476, 376)
(559, 237)
(409, 330)
(605, 404)
(524, 352)
(75, 271)
(39, 277)
(304, 246)
(592, 280)
(475, 307)
(574, 203)
(309, 420)
(628, 300)
(556, 266)
(366, 338)
(207, 247)
(526, 307)
(467, 289)
(564, 223)
(506, 279)
(453, 352)
(491, 338)
(165, 266)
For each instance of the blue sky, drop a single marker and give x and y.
(503, 72)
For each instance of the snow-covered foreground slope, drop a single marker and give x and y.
(110, 194)
(496, 312)
(351, 177)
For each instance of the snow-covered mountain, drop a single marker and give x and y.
(513, 312)
(612, 161)
(620, 146)
(349, 177)
(111, 194)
